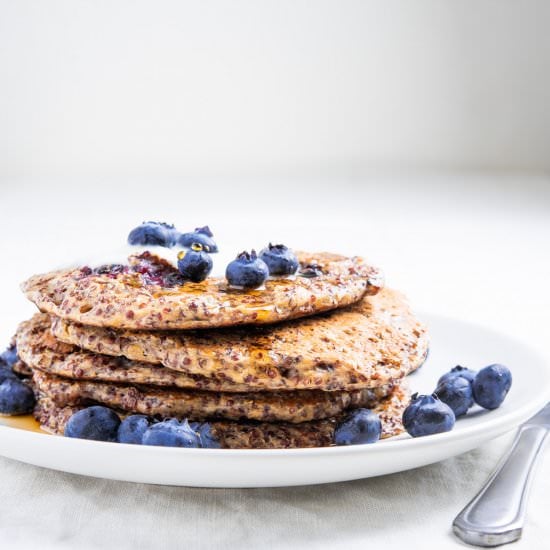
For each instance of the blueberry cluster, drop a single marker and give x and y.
(103, 424)
(456, 392)
(247, 272)
(16, 397)
(250, 270)
(163, 234)
(194, 263)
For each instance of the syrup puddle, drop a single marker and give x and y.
(24, 422)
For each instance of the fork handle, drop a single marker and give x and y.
(496, 514)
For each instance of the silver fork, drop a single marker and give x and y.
(496, 514)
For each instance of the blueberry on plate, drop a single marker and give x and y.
(207, 439)
(491, 385)
(464, 372)
(456, 391)
(201, 235)
(132, 428)
(6, 373)
(155, 234)
(427, 415)
(171, 433)
(361, 426)
(97, 423)
(9, 356)
(247, 271)
(279, 259)
(194, 264)
(15, 397)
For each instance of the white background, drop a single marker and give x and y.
(174, 88)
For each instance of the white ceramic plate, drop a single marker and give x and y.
(453, 342)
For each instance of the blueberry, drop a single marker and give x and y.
(194, 264)
(154, 233)
(132, 428)
(15, 397)
(427, 415)
(280, 259)
(97, 423)
(311, 271)
(6, 373)
(468, 374)
(9, 356)
(247, 271)
(491, 385)
(201, 235)
(456, 391)
(361, 426)
(207, 439)
(171, 433)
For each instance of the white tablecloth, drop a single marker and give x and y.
(473, 247)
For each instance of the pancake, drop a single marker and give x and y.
(136, 300)
(368, 344)
(257, 435)
(292, 407)
(40, 350)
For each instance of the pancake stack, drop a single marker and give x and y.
(278, 367)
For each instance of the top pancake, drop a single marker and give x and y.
(125, 301)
